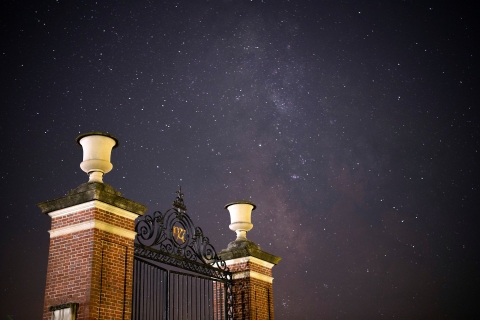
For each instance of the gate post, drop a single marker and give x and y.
(90, 262)
(251, 268)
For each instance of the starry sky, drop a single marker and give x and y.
(351, 125)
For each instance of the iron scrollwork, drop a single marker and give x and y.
(171, 237)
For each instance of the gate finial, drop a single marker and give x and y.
(178, 203)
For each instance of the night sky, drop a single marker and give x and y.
(353, 126)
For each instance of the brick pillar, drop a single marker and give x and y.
(90, 259)
(252, 280)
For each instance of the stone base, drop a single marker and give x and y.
(244, 248)
(93, 191)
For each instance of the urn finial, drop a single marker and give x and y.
(97, 148)
(241, 217)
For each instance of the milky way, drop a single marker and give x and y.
(351, 125)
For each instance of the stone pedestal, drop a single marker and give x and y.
(90, 263)
(252, 279)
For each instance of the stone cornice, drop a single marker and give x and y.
(251, 274)
(260, 262)
(246, 248)
(93, 224)
(93, 204)
(93, 191)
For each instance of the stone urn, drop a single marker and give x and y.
(97, 148)
(241, 217)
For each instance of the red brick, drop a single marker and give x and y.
(91, 267)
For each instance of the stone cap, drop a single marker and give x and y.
(93, 191)
(245, 248)
(97, 133)
(241, 202)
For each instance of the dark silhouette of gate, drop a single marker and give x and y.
(177, 272)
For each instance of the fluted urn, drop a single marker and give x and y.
(241, 217)
(97, 149)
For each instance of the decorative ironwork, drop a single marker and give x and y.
(171, 238)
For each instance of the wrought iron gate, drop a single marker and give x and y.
(177, 272)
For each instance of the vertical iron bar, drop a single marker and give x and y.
(205, 294)
(146, 293)
(209, 294)
(180, 295)
(185, 303)
(199, 292)
(143, 288)
(207, 284)
(177, 300)
(138, 289)
(202, 296)
(155, 294)
(167, 296)
(185, 287)
(164, 307)
(175, 297)
(142, 294)
(187, 295)
(151, 293)
(206, 298)
(196, 295)
(190, 290)
(134, 289)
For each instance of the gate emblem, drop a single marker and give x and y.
(179, 233)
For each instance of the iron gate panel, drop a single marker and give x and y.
(149, 296)
(167, 245)
(182, 292)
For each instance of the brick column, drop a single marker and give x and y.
(252, 280)
(90, 259)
